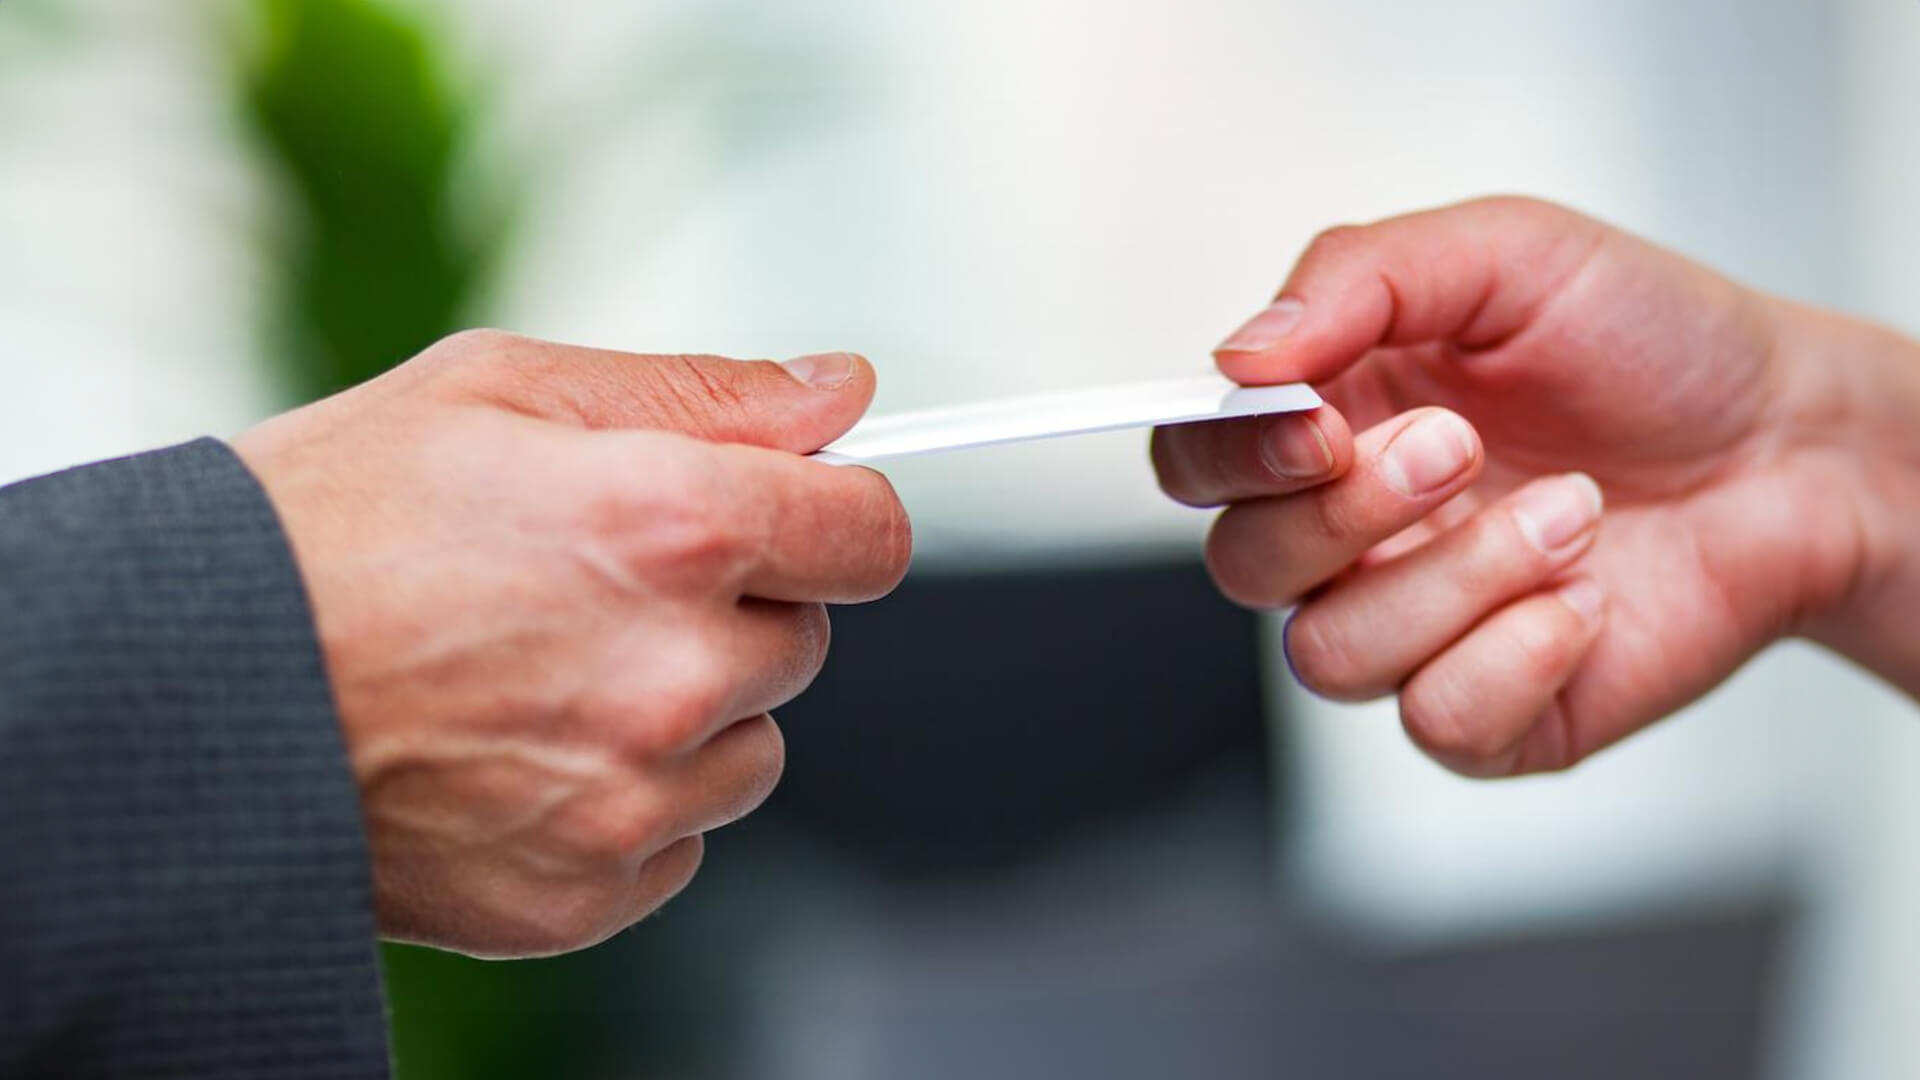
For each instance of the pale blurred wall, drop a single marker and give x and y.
(1862, 948)
(996, 195)
(129, 281)
(1007, 195)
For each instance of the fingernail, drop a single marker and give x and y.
(1554, 513)
(822, 371)
(1294, 448)
(1265, 330)
(1427, 454)
(1585, 597)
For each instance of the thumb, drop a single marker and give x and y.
(799, 406)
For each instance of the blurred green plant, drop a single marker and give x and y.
(36, 15)
(366, 127)
(30, 29)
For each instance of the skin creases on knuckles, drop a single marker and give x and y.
(627, 816)
(657, 691)
(497, 367)
(674, 527)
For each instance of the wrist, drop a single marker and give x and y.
(1854, 415)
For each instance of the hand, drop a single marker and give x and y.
(1507, 361)
(558, 590)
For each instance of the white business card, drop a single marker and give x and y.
(1071, 412)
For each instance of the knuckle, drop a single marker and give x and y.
(494, 363)
(766, 755)
(605, 709)
(1524, 206)
(616, 829)
(1234, 558)
(1536, 656)
(661, 716)
(1183, 469)
(700, 543)
(570, 915)
(480, 343)
(1338, 520)
(1336, 241)
(1210, 470)
(1536, 650)
(505, 370)
(1551, 745)
(691, 698)
(670, 530)
(858, 510)
(773, 756)
(814, 635)
(1433, 719)
(1228, 568)
(1499, 558)
(692, 386)
(1163, 450)
(1321, 661)
(624, 718)
(895, 532)
(667, 873)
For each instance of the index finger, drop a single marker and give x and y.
(827, 533)
(1214, 462)
(1472, 275)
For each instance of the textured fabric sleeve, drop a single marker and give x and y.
(185, 888)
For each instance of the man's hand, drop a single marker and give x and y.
(558, 591)
(1506, 362)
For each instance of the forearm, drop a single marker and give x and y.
(1864, 424)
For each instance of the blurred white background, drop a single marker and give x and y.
(1003, 195)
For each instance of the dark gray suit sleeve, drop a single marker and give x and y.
(183, 872)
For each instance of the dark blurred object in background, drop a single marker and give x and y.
(973, 719)
(1026, 832)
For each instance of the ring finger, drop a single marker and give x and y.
(1366, 635)
(779, 649)
(1478, 705)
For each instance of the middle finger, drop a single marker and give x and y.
(1269, 552)
(1214, 462)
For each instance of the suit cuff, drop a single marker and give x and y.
(187, 887)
